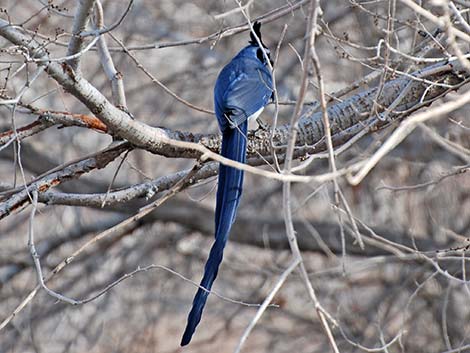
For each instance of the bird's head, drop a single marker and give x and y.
(254, 49)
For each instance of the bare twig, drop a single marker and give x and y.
(416, 187)
(82, 17)
(48, 119)
(266, 303)
(113, 75)
(235, 10)
(18, 198)
(404, 130)
(143, 212)
(314, 9)
(36, 257)
(157, 81)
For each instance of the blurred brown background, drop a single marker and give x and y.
(375, 294)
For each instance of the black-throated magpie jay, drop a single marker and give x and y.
(243, 88)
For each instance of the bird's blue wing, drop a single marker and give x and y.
(249, 91)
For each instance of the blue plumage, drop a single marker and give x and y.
(242, 90)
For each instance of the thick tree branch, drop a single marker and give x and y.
(143, 190)
(47, 119)
(422, 88)
(20, 196)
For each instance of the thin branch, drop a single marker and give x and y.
(456, 171)
(404, 130)
(225, 32)
(143, 190)
(18, 198)
(440, 21)
(80, 22)
(322, 314)
(36, 257)
(48, 119)
(295, 262)
(157, 81)
(104, 29)
(143, 212)
(113, 75)
(164, 141)
(457, 150)
(235, 10)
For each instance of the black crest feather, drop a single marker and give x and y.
(257, 30)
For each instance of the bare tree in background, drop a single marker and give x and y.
(353, 230)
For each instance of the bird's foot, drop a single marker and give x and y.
(262, 125)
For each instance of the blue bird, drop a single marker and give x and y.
(243, 89)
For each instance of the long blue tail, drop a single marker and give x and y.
(228, 197)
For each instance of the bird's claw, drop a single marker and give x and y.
(262, 125)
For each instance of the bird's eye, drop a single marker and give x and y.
(260, 55)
